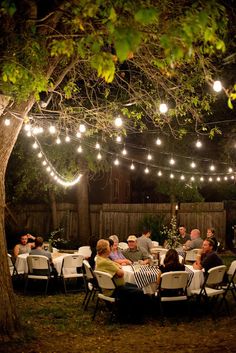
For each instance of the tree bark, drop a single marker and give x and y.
(84, 226)
(9, 319)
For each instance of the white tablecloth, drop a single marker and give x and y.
(129, 277)
(197, 279)
(21, 263)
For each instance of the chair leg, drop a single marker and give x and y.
(88, 300)
(96, 308)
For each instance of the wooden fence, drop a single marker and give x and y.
(121, 219)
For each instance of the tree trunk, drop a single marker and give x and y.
(53, 206)
(9, 320)
(84, 226)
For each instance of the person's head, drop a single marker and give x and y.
(210, 232)
(147, 232)
(24, 239)
(132, 241)
(208, 245)
(103, 247)
(115, 240)
(111, 243)
(38, 242)
(171, 257)
(195, 233)
(182, 231)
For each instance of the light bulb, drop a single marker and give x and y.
(67, 139)
(79, 149)
(97, 146)
(198, 144)
(82, 128)
(40, 155)
(7, 122)
(217, 86)
(116, 161)
(163, 108)
(218, 179)
(118, 139)
(99, 156)
(192, 178)
(35, 145)
(149, 156)
(132, 166)
(230, 170)
(158, 141)
(118, 121)
(78, 134)
(172, 176)
(58, 140)
(201, 179)
(193, 165)
(210, 179)
(124, 152)
(52, 129)
(212, 168)
(172, 161)
(146, 170)
(48, 169)
(225, 178)
(159, 173)
(27, 127)
(182, 177)
(44, 163)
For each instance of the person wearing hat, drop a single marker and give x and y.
(135, 253)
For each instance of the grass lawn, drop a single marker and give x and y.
(57, 323)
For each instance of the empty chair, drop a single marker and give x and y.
(122, 245)
(71, 268)
(172, 288)
(11, 265)
(212, 286)
(105, 282)
(38, 270)
(231, 280)
(85, 251)
(91, 285)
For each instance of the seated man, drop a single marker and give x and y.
(184, 237)
(208, 257)
(38, 250)
(23, 247)
(195, 242)
(130, 297)
(134, 253)
(144, 241)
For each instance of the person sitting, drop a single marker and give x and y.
(144, 241)
(195, 242)
(115, 254)
(134, 253)
(131, 298)
(208, 257)
(38, 250)
(24, 247)
(184, 237)
(211, 235)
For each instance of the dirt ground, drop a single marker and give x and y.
(57, 323)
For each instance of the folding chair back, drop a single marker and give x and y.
(174, 280)
(215, 275)
(11, 265)
(85, 251)
(105, 280)
(232, 268)
(191, 255)
(71, 268)
(38, 269)
(90, 282)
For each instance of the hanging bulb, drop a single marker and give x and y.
(118, 139)
(35, 145)
(116, 161)
(218, 179)
(182, 177)
(97, 146)
(7, 122)
(212, 167)
(67, 139)
(124, 152)
(99, 156)
(146, 170)
(193, 165)
(52, 129)
(118, 121)
(163, 108)
(58, 141)
(217, 86)
(172, 176)
(230, 170)
(40, 155)
(82, 128)
(158, 141)
(159, 173)
(78, 134)
(132, 166)
(225, 178)
(27, 127)
(80, 149)
(44, 163)
(198, 144)
(172, 161)
(192, 178)
(149, 156)
(210, 179)
(201, 179)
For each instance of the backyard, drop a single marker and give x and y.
(57, 323)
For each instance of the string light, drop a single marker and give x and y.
(124, 152)
(35, 145)
(118, 139)
(132, 166)
(158, 141)
(116, 161)
(163, 108)
(118, 121)
(159, 173)
(201, 179)
(80, 149)
(27, 127)
(210, 179)
(172, 161)
(218, 179)
(149, 156)
(217, 86)
(230, 170)
(192, 178)
(99, 156)
(182, 177)
(52, 129)
(58, 141)
(146, 170)
(7, 122)
(193, 165)
(172, 176)
(67, 139)
(212, 167)
(97, 146)
(82, 128)
(40, 155)
(198, 144)
(29, 133)
(78, 135)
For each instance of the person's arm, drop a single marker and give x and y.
(16, 250)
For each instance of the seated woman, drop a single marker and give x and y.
(171, 263)
(115, 254)
(211, 235)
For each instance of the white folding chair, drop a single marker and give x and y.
(105, 282)
(155, 243)
(91, 285)
(85, 251)
(38, 270)
(212, 287)
(191, 255)
(123, 245)
(172, 288)
(231, 280)
(71, 268)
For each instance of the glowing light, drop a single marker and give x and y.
(132, 166)
(217, 86)
(182, 177)
(58, 141)
(225, 178)
(44, 163)
(192, 178)
(67, 139)
(99, 156)
(7, 122)
(78, 134)
(158, 141)
(29, 133)
(118, 121)
(201, 179)
(116, 161)
(146, 170)
(172, 176)
(48, 169)
(198, 144)
(232, 177)
(210, 179)
(27, 127)
(82, 128)
(230, 170)
(218, 179)
(159, 173)
(68, 183)
(163, 108)
(149, 156)
(97, 146)
(193, 165)
(124, 152)
(212, 168)
(80, 149)
(172, 161)
(118, 139)
(40, 155)
(35, 145)
(52, 129)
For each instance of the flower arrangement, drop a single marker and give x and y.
(171, 235)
